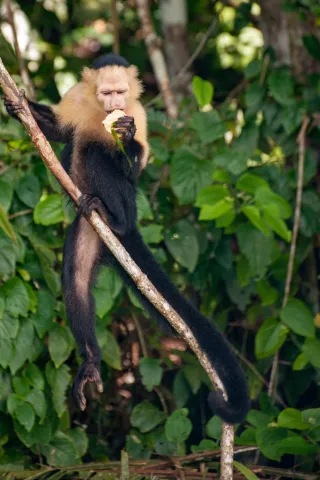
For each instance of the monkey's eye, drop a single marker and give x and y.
(120, 92)
(106, 93)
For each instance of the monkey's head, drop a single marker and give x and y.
(113, 81)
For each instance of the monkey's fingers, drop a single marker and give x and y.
(88, 372)
(12, 107)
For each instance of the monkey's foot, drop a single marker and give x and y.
(87, 204)
(88, 372)
(13, 107)
(125, 128)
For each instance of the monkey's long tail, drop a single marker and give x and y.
(211, 341)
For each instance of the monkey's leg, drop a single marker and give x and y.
(81, 256)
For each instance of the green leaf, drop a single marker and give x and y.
(17, 298)
(178, 426)
(6, 194)
(20, 386)
(11, 324)
(189, 174)
(256, 247)
(269, 440)
(312, 44)
(214, 428)
(5, 225)
(267, 293)
(60, 344)
(211, 195)
(300, 363)
(246, 472)
(298, 318)
(271, 215)
(49, 211)
(182, 243)
(231, 159)
(25, 415)
(281, 86)
(145, 416)
(22, 346)
(292, 418)
(192, 374)
(43, 318)
(311, 349)
(40, 434)
(181, 390)
(264, 196)
(151, 372)
(270, 337)
(221, 208)
(253, 214)
(254, 95)
(8, 256)
(144, 210)
(152, 233)
(34, 376)
(110, 350)
(249, 183)
(28, 190)
(108, 287)
(58, 380)
(61, 451)
(203, 91)
(209, 126)
(37, 399)
(296, 445)
(159, 150)
(79, 439)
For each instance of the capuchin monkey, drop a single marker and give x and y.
(108, 182)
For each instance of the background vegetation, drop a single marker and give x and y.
(216, 206)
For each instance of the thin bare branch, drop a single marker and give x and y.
(23, 70)
(301, 139)
(156, 57)
(114, 245)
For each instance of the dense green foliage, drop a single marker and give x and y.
(216, 206)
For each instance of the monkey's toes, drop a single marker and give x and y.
(89, 372)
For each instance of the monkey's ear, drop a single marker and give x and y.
(89, 76)
(135, 84)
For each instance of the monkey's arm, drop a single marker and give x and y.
(45, 118)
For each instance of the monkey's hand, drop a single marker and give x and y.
(14, 107)
(125, 128)
(87, 204)
(88, 372)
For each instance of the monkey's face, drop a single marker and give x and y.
(113, 97)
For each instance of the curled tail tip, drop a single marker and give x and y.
(227, 411)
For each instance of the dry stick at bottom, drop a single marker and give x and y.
(143, 283)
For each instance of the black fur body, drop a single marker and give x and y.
(108, 184)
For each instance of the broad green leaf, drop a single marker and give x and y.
(256, 247)
(211, 195)
(254, 95)
(221, 208)
(189, 174)
(253, 69)
(298, 318)
(182, 243)
(16, 296)
(192, 374)
(269, 440)
(270, 337)
(20, 386)
(264, 196)
(178, 426)
(151, 372)
(204, 445)
(292, 117)
(8, 256)
(281, 86)
(34, 376)
(271, 215)
(311, 349)
(11, 324)
(79, 439)
(214, 427)
(28, 190)
(5, 225)
(108, 287)
(38, 401)
(267, 293)
(145, 416)
(246, 472)
(58, 380)
(22, 346)
(25, 415)
(292, 418)
(181, 389)
(60, 344)
(249, 183)
(144, 210)
(39, 434)
(312, 44)
(203, 91)
(6, 349)
(152, 233)
(231, 159)
(60, 451)
(160, 151)
(43, 318)
(6, 194)
(110, 350)
(296, 445)
(49, 211)
(300, 362)
(209, 126)
(253, 214)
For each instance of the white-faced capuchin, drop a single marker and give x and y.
(108, 183)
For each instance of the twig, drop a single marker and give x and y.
(20, 214)
(195, 54)
(114, 245)
(282, 472)
(115, 22)
(156, 57)
(301, 139)
(23, 71)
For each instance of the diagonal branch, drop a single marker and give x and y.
(143, 283)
